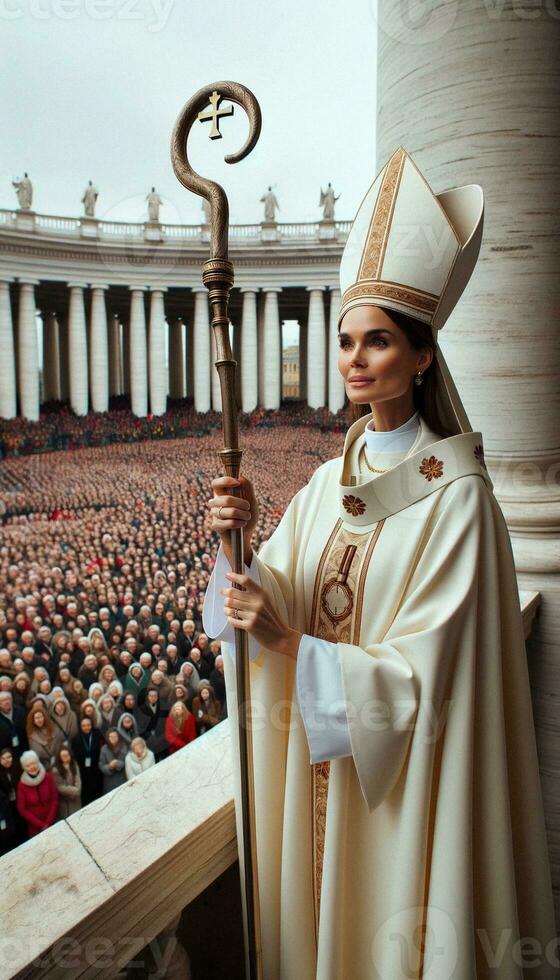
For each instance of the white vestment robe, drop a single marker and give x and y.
(422, 854)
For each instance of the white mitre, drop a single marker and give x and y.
(414, 251)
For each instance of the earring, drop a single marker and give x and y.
(418, 379)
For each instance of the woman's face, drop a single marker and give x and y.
(6, 759)
(205, 694)
(59, 707)
(65, 757)
(31, 766)
(113, 738)
(38, 719)
(372, 346)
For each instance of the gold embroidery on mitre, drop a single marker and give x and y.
(345, 558)
(380, 224)
(417, 299)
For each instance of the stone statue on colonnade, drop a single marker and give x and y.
(270, 205)
(89, 200)
(327, 202)
(24, 191)
(154, 202)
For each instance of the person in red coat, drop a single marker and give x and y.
(37, 795)
(180, 727)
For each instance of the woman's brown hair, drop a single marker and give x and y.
(419, 336)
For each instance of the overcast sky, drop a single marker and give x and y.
(91, 90)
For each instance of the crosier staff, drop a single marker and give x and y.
(217, 276)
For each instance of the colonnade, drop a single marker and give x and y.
(91, 353)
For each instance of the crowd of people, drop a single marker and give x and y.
(59, 428)
(105, 556)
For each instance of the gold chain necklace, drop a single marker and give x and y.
(372, 468)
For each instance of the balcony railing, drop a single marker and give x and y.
(82, 227)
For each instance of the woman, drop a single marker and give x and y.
(86, 749)
(112, 759)
(136, 679)
(206, 708)
(76, 696)
(64, 718)
(107, 675)
(37, 797)
(387, 648)
(138, 758)
(10, 774)
(127, 727)
(108, 715)
(22, 689)
(68, 783)
(43, 736)
(126, 703)
(180, 727)
(151, 718)
(89, 709)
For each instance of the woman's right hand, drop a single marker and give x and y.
(236, 511)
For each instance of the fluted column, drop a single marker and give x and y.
(115, 356)
(501, 342)
(316, 349)
(158, 371)
(249, 351)
(335, 379)
(260, 348)
(51, 357)
(201, 343)
(28, 353)
(272, 350)
(126, 357)
(77, 344)
(64, 362)
(8, 401)
(99, 351)
(176, 359)
(138, 353)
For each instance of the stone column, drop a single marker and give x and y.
(260, 346)
(115, 356)
(336, 381)
(138, 353)
(126, 357)
(176, 359)
(28, 353)
(249, 351)
(64, 362)
(8, 400)
(501, 342)
(77, 347)
(51, 358)
(189, 360)
(316, 349)
(303, 357)
(158, 371)
(201, 343)
(272, 350)
(99, 351)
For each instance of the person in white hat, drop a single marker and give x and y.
(399, 815)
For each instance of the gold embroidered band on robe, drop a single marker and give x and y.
(343, 565)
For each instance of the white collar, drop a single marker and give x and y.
(397, 440)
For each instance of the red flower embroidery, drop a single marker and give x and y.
(431, 468)
(479, 455)
(353, 505)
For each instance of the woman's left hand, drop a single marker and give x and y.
(258, 616)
